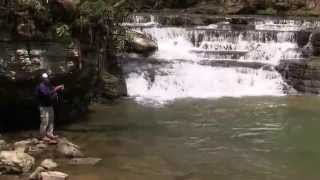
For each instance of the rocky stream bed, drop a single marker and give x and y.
(32, 158)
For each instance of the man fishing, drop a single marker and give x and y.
(47, 96)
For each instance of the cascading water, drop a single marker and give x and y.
(213, 61)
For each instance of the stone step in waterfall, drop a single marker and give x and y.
(182, 43)
(216, 60)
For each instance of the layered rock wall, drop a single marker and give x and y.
(269, 7)
(304, 75)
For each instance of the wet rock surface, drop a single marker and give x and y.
(141, 43)
(303, 76)
(111, 86)
(15, 162)
(67, 149)
(20, 160)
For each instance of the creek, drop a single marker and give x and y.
(249, 138)
(209, 104)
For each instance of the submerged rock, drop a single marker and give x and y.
(67, 149)
(85, 161)
(15, 162)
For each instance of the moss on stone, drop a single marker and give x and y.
(268, 11)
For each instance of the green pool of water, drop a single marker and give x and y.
(264, 138)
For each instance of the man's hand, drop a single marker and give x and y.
(60, 87)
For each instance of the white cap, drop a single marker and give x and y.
(45, 76)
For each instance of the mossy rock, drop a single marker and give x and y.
(111, 86)
(268, 11)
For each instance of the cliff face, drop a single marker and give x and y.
(29, 46)
(288, 7)
(269, 7)
(20, 73)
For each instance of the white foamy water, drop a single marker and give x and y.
(183, 49)
(266, 47)
(190, 80)
(285, 25)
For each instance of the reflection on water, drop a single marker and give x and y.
(222, 139)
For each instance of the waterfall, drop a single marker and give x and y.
(213, 61)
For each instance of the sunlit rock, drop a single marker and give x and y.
(15, 162)
(141, 43)
(53, 175)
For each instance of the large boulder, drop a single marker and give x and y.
(15, 162)
(111, 86)
(141, 43)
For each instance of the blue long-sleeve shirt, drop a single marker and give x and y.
(46, 94)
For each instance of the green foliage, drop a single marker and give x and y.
(96, 23)
(63, 33)
(63, 30)
(92, 9)
(100, 22)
